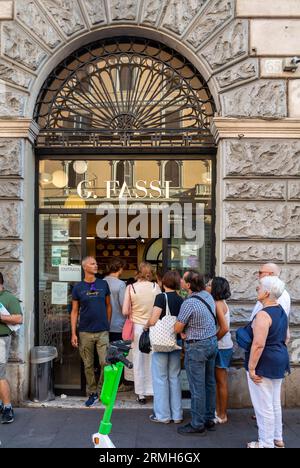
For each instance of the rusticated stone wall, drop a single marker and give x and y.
(258, 179)
(11, 233)
(261, 222)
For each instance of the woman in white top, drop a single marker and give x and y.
(220, 290)
(138, 303)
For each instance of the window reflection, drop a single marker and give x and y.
(88, 180)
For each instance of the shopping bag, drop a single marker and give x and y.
(162, 335)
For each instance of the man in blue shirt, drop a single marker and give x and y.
(197, 319)
(91, 301)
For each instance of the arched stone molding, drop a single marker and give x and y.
(42, 33)
(114, 31)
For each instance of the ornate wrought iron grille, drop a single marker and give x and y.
(124, 92)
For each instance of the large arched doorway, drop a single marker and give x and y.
(123, 118)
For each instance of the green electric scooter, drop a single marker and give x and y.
(116, 357)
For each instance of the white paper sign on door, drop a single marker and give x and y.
(59, 293)
(69, 273)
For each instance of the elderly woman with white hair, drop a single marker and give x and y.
(267, 363)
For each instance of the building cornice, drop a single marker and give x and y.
(19, 128)
(226, 127)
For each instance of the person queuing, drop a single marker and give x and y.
(219, 288)
(271, 269)
(117, 288)
(91, 302)
(14, 317)
(267, 363)
(166, 368)
(138, 304)
(197, 319)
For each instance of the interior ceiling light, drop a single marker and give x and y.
(45, 178)
(80, 167)
(59, 179)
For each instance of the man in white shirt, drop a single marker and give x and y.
(270, 269)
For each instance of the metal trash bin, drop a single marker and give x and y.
(42, 373)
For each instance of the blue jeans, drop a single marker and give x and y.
(200, 368)
(166, 370)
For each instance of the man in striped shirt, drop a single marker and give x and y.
(197, 320)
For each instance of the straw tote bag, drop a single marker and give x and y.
(162, 335)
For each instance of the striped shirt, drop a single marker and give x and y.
(199, 322)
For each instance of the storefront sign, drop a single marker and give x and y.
(140, 190)
(59, 293)
(70, 273)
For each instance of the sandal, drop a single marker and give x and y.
(279, 444)
(219, 420)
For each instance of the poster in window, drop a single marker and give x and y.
(190, 256)
(59, 293)
(59, 255)
(60, 230)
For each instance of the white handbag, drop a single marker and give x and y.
(162, 334)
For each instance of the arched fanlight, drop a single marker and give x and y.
(125, 84)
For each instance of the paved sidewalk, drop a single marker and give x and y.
(53, 427)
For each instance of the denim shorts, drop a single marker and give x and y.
(223, 358)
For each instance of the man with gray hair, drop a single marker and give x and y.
(92, 298)
(271, 269)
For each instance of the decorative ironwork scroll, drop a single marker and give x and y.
(125, 89)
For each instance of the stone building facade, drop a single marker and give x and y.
(241, 48)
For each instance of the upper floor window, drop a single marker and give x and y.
(122, 171)
(172, 171)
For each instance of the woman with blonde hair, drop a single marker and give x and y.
(138, 304)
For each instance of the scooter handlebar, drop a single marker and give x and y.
(125, 361)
